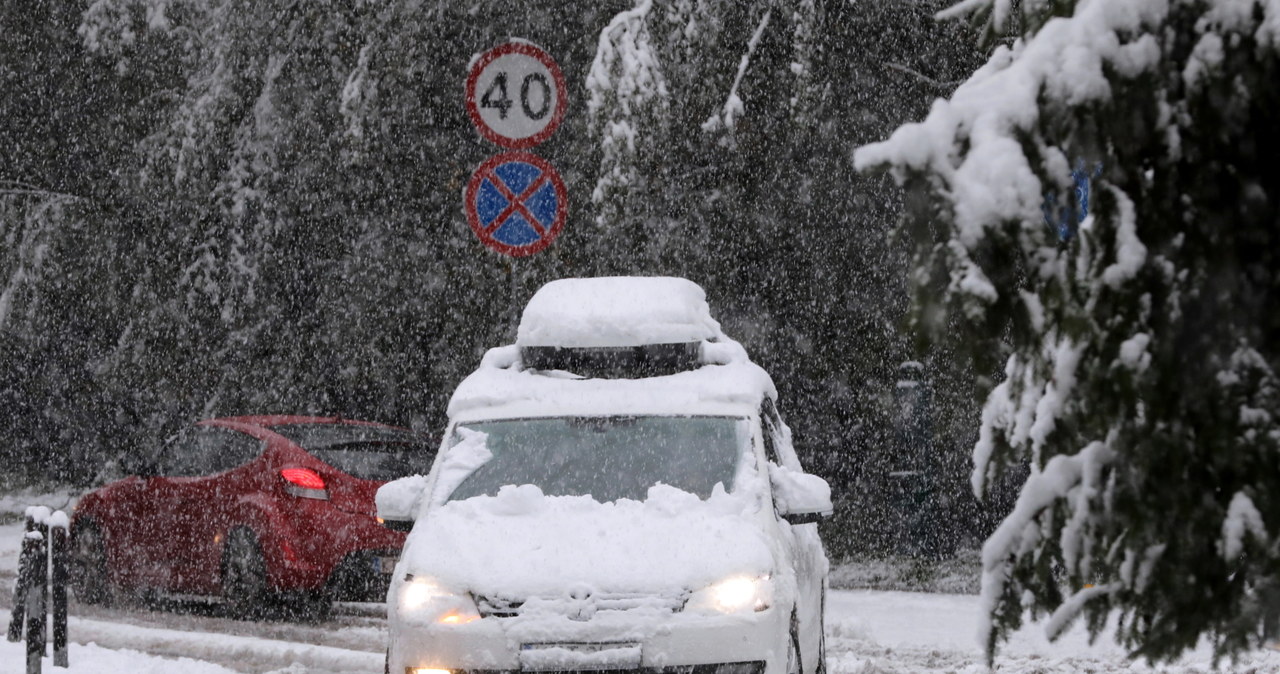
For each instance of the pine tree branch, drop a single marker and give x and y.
(732, 109)
(16, 188)
(923, 77)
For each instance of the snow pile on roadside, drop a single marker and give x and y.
(244, 653)
(916, 633)
(94, 659)
(10, 547)
(15, 503)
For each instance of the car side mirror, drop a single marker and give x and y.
(800, 498)
(398, 502)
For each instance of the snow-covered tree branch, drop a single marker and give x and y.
(1097, 211)
(733, 107)
(628, 99)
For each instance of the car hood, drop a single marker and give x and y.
(521, 543)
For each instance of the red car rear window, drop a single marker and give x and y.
(367, 452)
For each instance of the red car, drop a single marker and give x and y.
(250, 509)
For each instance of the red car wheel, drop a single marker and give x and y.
(90, 579)
(244, 575)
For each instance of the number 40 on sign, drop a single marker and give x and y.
(516, 95)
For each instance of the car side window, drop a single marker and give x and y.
(227, 449)
(778, 447)
(206, 451)
(181, 456)
(770, 425)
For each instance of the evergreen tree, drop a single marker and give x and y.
(1095, 210)
(724, 130)
(273, 222)
(66, 122)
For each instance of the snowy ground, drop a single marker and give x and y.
(14, 502)
(868, 632)
(93, 659)
(873, 632)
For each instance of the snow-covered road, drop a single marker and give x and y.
(156, 648)
(868, 633)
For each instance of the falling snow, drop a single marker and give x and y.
(211, 209)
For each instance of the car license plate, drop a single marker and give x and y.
(548, 657)
(385, 564)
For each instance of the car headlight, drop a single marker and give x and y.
(733, 595)
(423, 600)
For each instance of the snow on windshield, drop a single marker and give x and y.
(617, 311)
(606, 458)
(522, 543)
(468, 453)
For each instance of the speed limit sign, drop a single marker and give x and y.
(516, 95)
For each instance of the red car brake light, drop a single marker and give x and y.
(304, 483)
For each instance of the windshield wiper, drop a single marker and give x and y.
(602, 424)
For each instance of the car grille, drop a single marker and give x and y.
(579, 608)
(725, 668)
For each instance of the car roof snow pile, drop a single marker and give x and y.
(578, 338)
(617, 311)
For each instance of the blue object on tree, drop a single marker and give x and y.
(1059, 217)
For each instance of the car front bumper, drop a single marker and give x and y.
(676, 643)
(722, 668)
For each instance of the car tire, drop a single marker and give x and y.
(311, 607)
(90, 578)
(244, 576)
(795, 664)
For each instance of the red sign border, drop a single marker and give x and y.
(562, 98)
(473, 189)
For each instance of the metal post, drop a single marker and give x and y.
(919, 529)
(37, 578)
(42, 526)
(58, 558)
(25, 562)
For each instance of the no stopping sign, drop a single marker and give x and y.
(516, 95)
(516, 203)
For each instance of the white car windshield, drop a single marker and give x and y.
(608, 458)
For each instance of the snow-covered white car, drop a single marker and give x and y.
(615, 491)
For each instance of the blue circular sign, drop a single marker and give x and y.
(1066, 217)
(516, 203)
